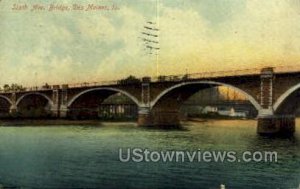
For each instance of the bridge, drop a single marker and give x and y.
(272, 91)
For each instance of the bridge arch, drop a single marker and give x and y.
(5, 105)
(168, 90)
(34, 93)
(134, 99)
(7, 99)
(285, 96)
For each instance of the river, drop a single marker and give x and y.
(87, 156)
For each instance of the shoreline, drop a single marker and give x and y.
(55, 122)
(66, 122)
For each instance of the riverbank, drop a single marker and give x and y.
(54, 122)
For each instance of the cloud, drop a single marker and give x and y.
(265, 33)
(93, 46)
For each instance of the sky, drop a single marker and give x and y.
(57, 47)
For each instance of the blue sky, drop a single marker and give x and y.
(195, 35)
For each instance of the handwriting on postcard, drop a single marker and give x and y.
(64, 7)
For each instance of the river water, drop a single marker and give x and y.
(87, 156)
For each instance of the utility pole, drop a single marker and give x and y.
(157, 20)
(151, 41)
(35, 74)
(150, 37)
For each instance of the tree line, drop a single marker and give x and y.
(12, 87)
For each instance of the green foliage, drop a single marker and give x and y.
(13, 87)
(129, 80)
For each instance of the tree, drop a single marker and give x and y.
(13, 87)
(46, 86)
(6, 87)
(129, 80)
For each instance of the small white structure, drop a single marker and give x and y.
(209, 109)
(232, 112)
(225, 111)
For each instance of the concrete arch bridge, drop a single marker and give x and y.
(273, 93)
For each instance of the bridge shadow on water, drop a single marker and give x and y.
(35, 122)
(290, 137)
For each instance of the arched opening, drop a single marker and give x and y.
(5, 105)
(118, 107)
(218, 102)
(194, 99)
(34, 105)
(289, 102)
(104, 104)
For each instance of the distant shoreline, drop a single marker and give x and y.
(55, 122)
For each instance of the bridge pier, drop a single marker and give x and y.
(144, 117)
(166, 118)
(13, 110)
(163, 119)
(276, 125)
(54, 111)
(55, 100)
(63, 111)
(269, 123)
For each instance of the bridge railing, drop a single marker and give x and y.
(51, 87)
(26, 89)
(174, 78)
(206, 75)
(92, 84)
